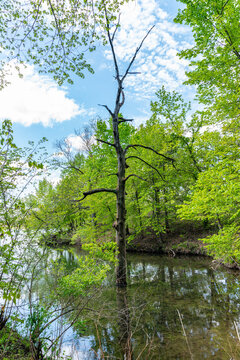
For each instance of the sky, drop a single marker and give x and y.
(38, 107)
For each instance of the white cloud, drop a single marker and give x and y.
(77, 143)
(138, 120)
(157, 61)
(35, 99)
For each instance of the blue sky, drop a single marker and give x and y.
(38, 107)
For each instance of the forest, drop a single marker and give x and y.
(129, 203)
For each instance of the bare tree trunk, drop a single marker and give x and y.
(121, 273)
(117, 119)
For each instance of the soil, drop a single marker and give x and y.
(183, 241)
(179, 242)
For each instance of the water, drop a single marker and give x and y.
(174, 308)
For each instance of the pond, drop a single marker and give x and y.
(174, 308)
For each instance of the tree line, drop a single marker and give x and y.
(195, 179)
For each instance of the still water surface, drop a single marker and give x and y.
(174, 308)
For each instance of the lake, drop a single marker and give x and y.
(174, 308)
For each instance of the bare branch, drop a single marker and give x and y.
(135, 54)
(57, 26)
(116, 27)
(75, 168)
(33, 24)
(110, 39)
(86, 136)
(116, 174)
(123, 120)
(65, 149)
(149, 148)
(145, 162)
(106, 107)
(139, 177)
(134, 73)
(105, 142)
(95, 191)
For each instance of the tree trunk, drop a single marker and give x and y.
(121, 270)
(167, 227)
(121, 237)
(138, 208)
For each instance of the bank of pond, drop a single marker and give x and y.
(173, 308)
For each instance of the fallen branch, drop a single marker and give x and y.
(184, 334)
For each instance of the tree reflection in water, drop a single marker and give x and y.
(125, 336)
(142, 322)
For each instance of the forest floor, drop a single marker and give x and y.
(181, 241)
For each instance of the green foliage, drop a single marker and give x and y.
(214, 196)
(225, 246)
(201, 181)
(35, 323)
(83, 278)
(215, 56)
(15, 174)
(60, 293)
(152, 197)
(105, 251)
(153, 203)
(54, 34)
(13, 345)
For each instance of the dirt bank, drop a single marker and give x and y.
(184, 243)
(179, 242)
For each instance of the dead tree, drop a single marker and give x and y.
(121, 153)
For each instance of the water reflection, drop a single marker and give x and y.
(145, 324)
(142, 322)
(125, 334)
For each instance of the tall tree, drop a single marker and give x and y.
(121, 151)
(214, 196)
(215, 55)
(168, 132)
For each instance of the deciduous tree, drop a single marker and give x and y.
(215, 55)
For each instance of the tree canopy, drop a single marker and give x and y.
(53, 35)
(215, 55)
